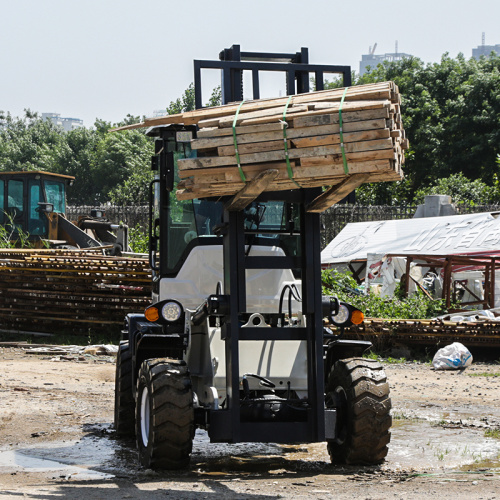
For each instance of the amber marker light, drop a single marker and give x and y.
(152, 314)
(357, 317)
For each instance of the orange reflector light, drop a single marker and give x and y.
(357, 317)
(152, 314)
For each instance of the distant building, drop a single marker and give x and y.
(67, 124)
(372, 60)
(485, 50)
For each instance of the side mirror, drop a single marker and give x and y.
(48, 208)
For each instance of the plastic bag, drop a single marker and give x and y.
(452, 357)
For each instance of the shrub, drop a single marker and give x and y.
(417, 306)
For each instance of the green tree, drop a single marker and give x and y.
(186, 101)
(461, 190)
(451, 114)
(183, 103)
(119, 157)
(76, 157)
(28, 143)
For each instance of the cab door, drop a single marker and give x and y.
(37, 220)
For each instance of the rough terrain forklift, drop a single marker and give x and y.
(234, 341)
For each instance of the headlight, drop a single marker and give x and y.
(165, 311)
(347, 315)
(342, 316)
(171, 311)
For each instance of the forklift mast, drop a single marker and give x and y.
(295, 67)
(227, 425)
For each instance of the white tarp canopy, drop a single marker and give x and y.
(430, 235)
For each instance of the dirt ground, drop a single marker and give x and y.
(57, 441)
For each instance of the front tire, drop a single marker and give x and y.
(164, 414)
(358, 389)
(124, 399)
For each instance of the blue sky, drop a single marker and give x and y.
(107, 58)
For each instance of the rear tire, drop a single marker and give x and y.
(358, 389)
(124, 399)
(164, 414)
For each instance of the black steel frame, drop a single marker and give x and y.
(296, 67)
(226, 424)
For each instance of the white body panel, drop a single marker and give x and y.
(282, 362)
(203, 269)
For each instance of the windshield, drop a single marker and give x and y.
(196, 222)
(55, 195)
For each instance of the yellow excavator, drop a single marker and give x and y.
(34, 203)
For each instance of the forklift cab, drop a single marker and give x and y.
(26, 198)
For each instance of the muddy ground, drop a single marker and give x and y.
(57, 441)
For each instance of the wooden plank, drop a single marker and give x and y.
(253, 167)
(256, 147)
(273, 135)
(209, 162)
(382, 90)
(347, 106)
(317, 161)
(336, 193)
(278, 185)
(361, 92)
(327, 140)
(305, 121)
(333, 118)
(324, 140)
(220, 132)
(332, 170)
(252, 190)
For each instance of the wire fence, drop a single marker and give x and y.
(333, 220)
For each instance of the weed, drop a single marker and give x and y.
(395, 360)
(11, 234)
(440, 423)
(493, 433)
(138, 239)
(484, 374)
(399, 416)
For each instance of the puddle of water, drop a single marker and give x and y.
(465, 413)
(22, 460)
(422, 446)
(95, 456)
(416, 445)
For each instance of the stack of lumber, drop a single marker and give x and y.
(70, 291)
(373, 137)
(385, 333)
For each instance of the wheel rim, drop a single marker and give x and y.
(145, 416)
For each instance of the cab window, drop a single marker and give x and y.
(15, 196)
(2, 201)
(55, 195)
(37, 221)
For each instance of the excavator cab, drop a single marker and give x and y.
(33, 208)
(27, 199)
